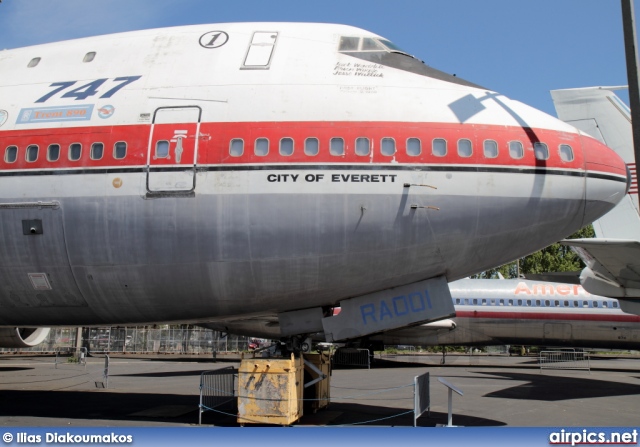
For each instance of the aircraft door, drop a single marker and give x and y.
(173, 150)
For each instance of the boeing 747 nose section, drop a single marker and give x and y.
(279, 175)
(606, 179)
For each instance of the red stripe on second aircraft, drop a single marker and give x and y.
(591, 316)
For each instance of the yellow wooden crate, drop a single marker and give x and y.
(270, 391)
(321, 390)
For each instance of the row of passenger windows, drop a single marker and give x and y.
(413, 147)
(535, 303)
(337, 147)
(74, 152)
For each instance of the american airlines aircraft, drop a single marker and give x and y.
(242, 172)
(521, 312)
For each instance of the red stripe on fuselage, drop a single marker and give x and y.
(214, 140)
(514, 315)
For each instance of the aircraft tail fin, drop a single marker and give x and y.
(598, 112)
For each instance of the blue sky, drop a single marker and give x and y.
(520, 49)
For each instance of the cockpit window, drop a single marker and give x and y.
(369, 44)
(383, 52)
(392, 46)
(349, 43)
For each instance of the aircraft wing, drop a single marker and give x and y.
(615, 260)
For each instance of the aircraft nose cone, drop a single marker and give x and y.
(607, 179)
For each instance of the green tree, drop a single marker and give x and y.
(554, 258)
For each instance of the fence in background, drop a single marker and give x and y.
(352, 357)
(564, 359)
(140, 339)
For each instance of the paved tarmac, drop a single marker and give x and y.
(164, 391)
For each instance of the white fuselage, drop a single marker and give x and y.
(217, 171)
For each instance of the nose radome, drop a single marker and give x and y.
(607, 179)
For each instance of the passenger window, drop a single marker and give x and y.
(519, 302)
(439, 147)
(53, 152)
(120, 150)
(97, 151)
(547, 303)
(311, 146)
(538, 303)
(336, 146)
(556, 303)
(502, 302)
(286, 146)
(363, 146)
(484, 302)
(566, 152)
(464, 148)
(605, 304)
(541, 151)
(615, 304)
(475, 301)
(595, 304)
(575, 304)
(585, 304)
(528, 302)
(516, 150)
(261, 147)
(388, 146)
(490, 148)
(236, 147)
(162, 149)
(32, 153)
(414, 147)
(75, 151)
(566, 304)
(11, 154)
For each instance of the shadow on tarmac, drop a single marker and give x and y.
(99, 406)
(94, 405)
(164, 374)
(13, 369)
(358, 415)
(554, 388)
